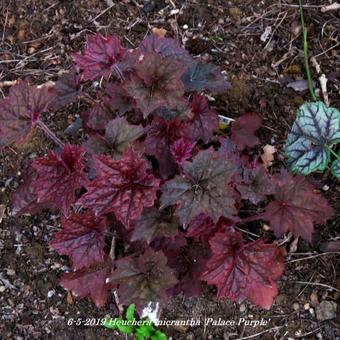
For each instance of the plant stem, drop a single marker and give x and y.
(305, 53)
(333, 152)
(50, 134)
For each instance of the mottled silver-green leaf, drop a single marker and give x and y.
(316, 128)
(335, 168)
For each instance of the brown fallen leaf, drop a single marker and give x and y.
(160, 32)
(69, 298)
(314, 298)
(268, 155)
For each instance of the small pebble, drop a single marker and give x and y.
(2, 289)
(306, 306)
(185, 27)
(325, 187)
(50, 293)
(296, 306)
(242, 308)
(174, 11)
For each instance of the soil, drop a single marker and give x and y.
(35, 39)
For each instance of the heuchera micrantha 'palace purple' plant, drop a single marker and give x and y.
(151, 200)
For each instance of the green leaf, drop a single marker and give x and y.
(335, 168)
(130, 312)
(111, 324)
(158, 336)
(315, 130)
(145, 330)
(124, 328)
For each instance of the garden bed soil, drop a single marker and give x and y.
(36, 37)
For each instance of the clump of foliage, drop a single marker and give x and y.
(151, 201)
(141, 329)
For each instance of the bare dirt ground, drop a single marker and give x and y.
(35, 38)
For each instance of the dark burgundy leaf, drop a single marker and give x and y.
(100, 57)
(96, 118)
(119, 134)
(156, 83)
(143, 279)
(201, 226)
(256, 183)
(24, 199)
(20, 111)
(66, 90)
(90, 282)
(203, 188)
(181, 150)
(242, 271)
(189, 263)
(59, 176)
(155, 223)
(166, 47)
(296, 207)
(201, 76)
(243, 130)
(204, 121)
(81, 238)
(161, 134)
(123, 187)
(117, 98)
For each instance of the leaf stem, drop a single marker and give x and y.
(305, 53)
(50, 134)
(333, 152)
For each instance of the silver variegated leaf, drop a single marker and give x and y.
(315, 130)
(335, 168)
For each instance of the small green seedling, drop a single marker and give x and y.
(141, 329)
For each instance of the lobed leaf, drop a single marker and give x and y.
(155, 223)
(117, 98)
(90, 282)
(24, 199)
(243, 130)
(203, 188)
(296, 207)
(20, 111)
(143, 279)
(119, 134)
(101, 56)
(123, 187)
(181, 150)
(156, 83)
(204, 121)
(256, 183)
(315, 130)
(166, 47)
(200, 76)
(59, 176)
(66, 90)
(160, 136)
(81, 238)
(244, 271)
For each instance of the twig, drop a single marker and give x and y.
(260, 333)
(332, 7)
(101, 13)
(313, 256)
(317, 284)
(49, 133)
(305, 53)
